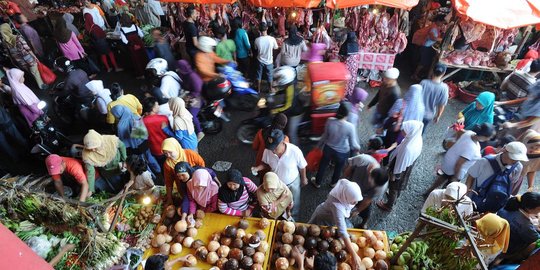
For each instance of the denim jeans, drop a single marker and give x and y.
(268, 68)
(295, 188)
(339, 160)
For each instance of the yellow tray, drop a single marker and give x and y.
(213, 223)
(356, 232)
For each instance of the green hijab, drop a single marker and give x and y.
(474, 116)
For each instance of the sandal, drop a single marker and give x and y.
(383, 206)
(314, 183)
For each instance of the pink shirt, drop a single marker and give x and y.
(72, 49)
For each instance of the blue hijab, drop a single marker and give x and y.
(126, 120)
(475, 117)
(414, 104)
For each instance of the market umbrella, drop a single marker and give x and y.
(403, 4)
(17, 255)
(503, 14)
(200, 1)
(285, 3)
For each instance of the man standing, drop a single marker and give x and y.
(517, 83)
(265, 46)
(191, 32)
(30, 34)
(511, 156)
(385, 97)
(372, 179)
(63, 168)
(435, 93)
(287, 161)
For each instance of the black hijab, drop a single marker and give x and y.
(227, 195)
(183, 167)
(293, 39)
(350, 46)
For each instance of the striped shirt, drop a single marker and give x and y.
(516, 84)
(236, 208)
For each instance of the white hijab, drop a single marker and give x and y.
(97, 88)
(410, 148)
(348, 194)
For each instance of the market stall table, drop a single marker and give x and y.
(494, 70)
(216, 223)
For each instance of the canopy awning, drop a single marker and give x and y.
(285, 3)
(503, 14)
(200, 1)
(17, 255)
(403, 4)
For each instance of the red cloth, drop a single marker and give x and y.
(17, 255)
(379, 155)
(489, 150)
(156, 135)
(529, 57)
(92, 29)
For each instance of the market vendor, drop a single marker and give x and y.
(64, 167)
(516, 85)
(496, 234)
(335, 211)
(234, 198)
(479, 111)
(523, 233)
(106, 153)
(274, 197)
(453, 192)
(175, 153)
(202, 192)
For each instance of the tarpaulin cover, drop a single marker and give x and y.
(403, 4)
(503, 14)
(200, 1)
(328, 71)
(17, 255)
(285, 3)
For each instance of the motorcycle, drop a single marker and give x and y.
(66, 108)
(243, 97)
(211, 114)
(49, 140)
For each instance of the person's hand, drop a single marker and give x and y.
(497, 103)
(310, 261)
(298, 256)
(356, 262)
(508, 125)
(190, 220)
(129, 184)
(461, 120)
(304, 181)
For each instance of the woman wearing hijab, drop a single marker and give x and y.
(126, 121)
(183, 173)
(183, 128)
(202, 192)
(235, 197)
(414, 104)
(20, 53)
(453, 192)
(518, 212)
(192, 82)
(349, 54)
(496, 234)
(479, 111)
(402, 161)
(107, 154)
(23, 97)
(99, 42)
(132, 35)
(67, 41)
(68, 17)
(175, 153)
(291, 50)
(102, 94)
(531, 139)
(274, 197)
(336, 209)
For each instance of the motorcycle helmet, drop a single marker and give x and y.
(63, 64)
(206, 44)
(284, 75)
(216, 89)
(159, 66)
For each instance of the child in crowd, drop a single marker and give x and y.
(376, 149)
(140, 178)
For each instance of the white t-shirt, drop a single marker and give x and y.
(98, 20)
(435, 199)
(143, 181)
(156, 5)
(466, 148)
(265, 46)
(481, 170)
(288, 165)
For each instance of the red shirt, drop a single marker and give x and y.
(74, 168)
(156, 135)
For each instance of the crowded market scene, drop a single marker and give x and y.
(269, 134)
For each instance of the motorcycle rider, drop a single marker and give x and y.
(206, 59)
(75, 82)
(167, 82)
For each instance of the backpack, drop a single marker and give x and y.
(495, 191)
(420, 36)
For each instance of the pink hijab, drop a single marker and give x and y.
(201, 178)
(22, 95)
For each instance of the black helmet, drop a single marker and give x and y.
(63, 64)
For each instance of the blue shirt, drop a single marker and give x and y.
(242, 43)
(188, 141)
(522, 231)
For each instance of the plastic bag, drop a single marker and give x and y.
(47, 75)
(313, 159)
(40, 245)
(139, 131)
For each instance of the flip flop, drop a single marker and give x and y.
(383, 206)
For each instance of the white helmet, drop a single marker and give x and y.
(284, 75)
(206, 44)
(160, 66)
